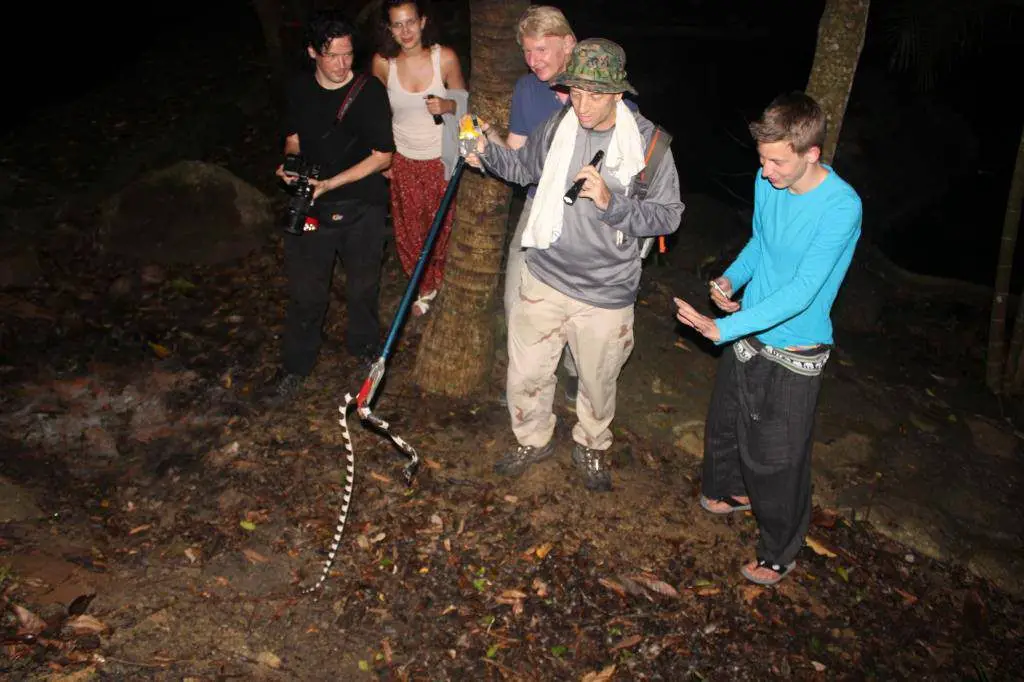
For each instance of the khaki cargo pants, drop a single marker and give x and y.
(541, 321)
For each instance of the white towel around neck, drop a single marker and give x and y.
(624, 159)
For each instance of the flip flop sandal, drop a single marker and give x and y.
(779, 570)
(734, 504)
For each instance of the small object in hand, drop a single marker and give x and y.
(469, 132)
(437, 117)
(574, 191)
(718, 287)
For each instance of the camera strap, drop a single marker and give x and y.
(357, 85)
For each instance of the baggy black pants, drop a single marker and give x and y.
(309, 266)
(757, 444)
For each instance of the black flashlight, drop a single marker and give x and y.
(574, 191)
(437, 117)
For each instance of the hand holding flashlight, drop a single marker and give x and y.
(581, 179)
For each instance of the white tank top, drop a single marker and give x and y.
(416, 134)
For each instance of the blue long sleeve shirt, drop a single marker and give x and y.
(797, 257)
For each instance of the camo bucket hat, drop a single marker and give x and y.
(596, 65)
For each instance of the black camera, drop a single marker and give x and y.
(299, 221)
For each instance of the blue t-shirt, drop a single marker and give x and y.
(533, 102)
(797, 257)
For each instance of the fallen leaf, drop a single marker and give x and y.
(248, 525)
(613, 586)
(431, 464)
(379, 477)
(160, 351)
(819, 548)
(254, 557)
(514, 594)
(604, 675)
(512, 499)
(544, 549)
(707, 591)
(269, 659)
(819, 667)
(77, 676)
(28, 622)
(139, 529)
(843, 573)
(626, 643)
(748, 593)
(908, 598)
(652, 583)
(824, 518)
(84, 625)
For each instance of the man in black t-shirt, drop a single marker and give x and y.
(350, 200)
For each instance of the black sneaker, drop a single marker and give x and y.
(572, 389)
(596, 475)
(515, 462)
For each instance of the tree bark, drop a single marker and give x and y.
(840, 40)
(457, 348)
(1011, 373)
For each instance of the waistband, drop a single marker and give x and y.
(809, 362)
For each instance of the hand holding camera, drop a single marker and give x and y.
(302, 177)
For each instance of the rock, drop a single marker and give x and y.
(853, 450)
(913, 524)
(1004, 568)
(991, 440)
(191, 212)
(16, 504)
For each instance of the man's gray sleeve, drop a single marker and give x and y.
(521, 166)
(659, 213)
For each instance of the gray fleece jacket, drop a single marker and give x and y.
(586, 263)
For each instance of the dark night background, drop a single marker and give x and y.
(703, 83)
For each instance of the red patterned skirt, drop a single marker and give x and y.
(416, 191)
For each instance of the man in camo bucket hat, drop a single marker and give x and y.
(583, 257)
(596, 65)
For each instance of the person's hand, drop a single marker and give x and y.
(594, 187)
(689, 316)
(386, 173)
(473, 158)
(288, 179)
(721, 294)
(437, 106)
(321, 186)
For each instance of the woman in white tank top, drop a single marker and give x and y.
(418, 73)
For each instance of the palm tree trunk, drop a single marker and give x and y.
(996, 372)
(840, 40)
(457, 348)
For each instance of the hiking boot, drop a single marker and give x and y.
(516, 461)
(283, 389)
(596, 475)
(572, 389)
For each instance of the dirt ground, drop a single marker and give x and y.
(160, 524)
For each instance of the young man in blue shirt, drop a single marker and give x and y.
(758, 436)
